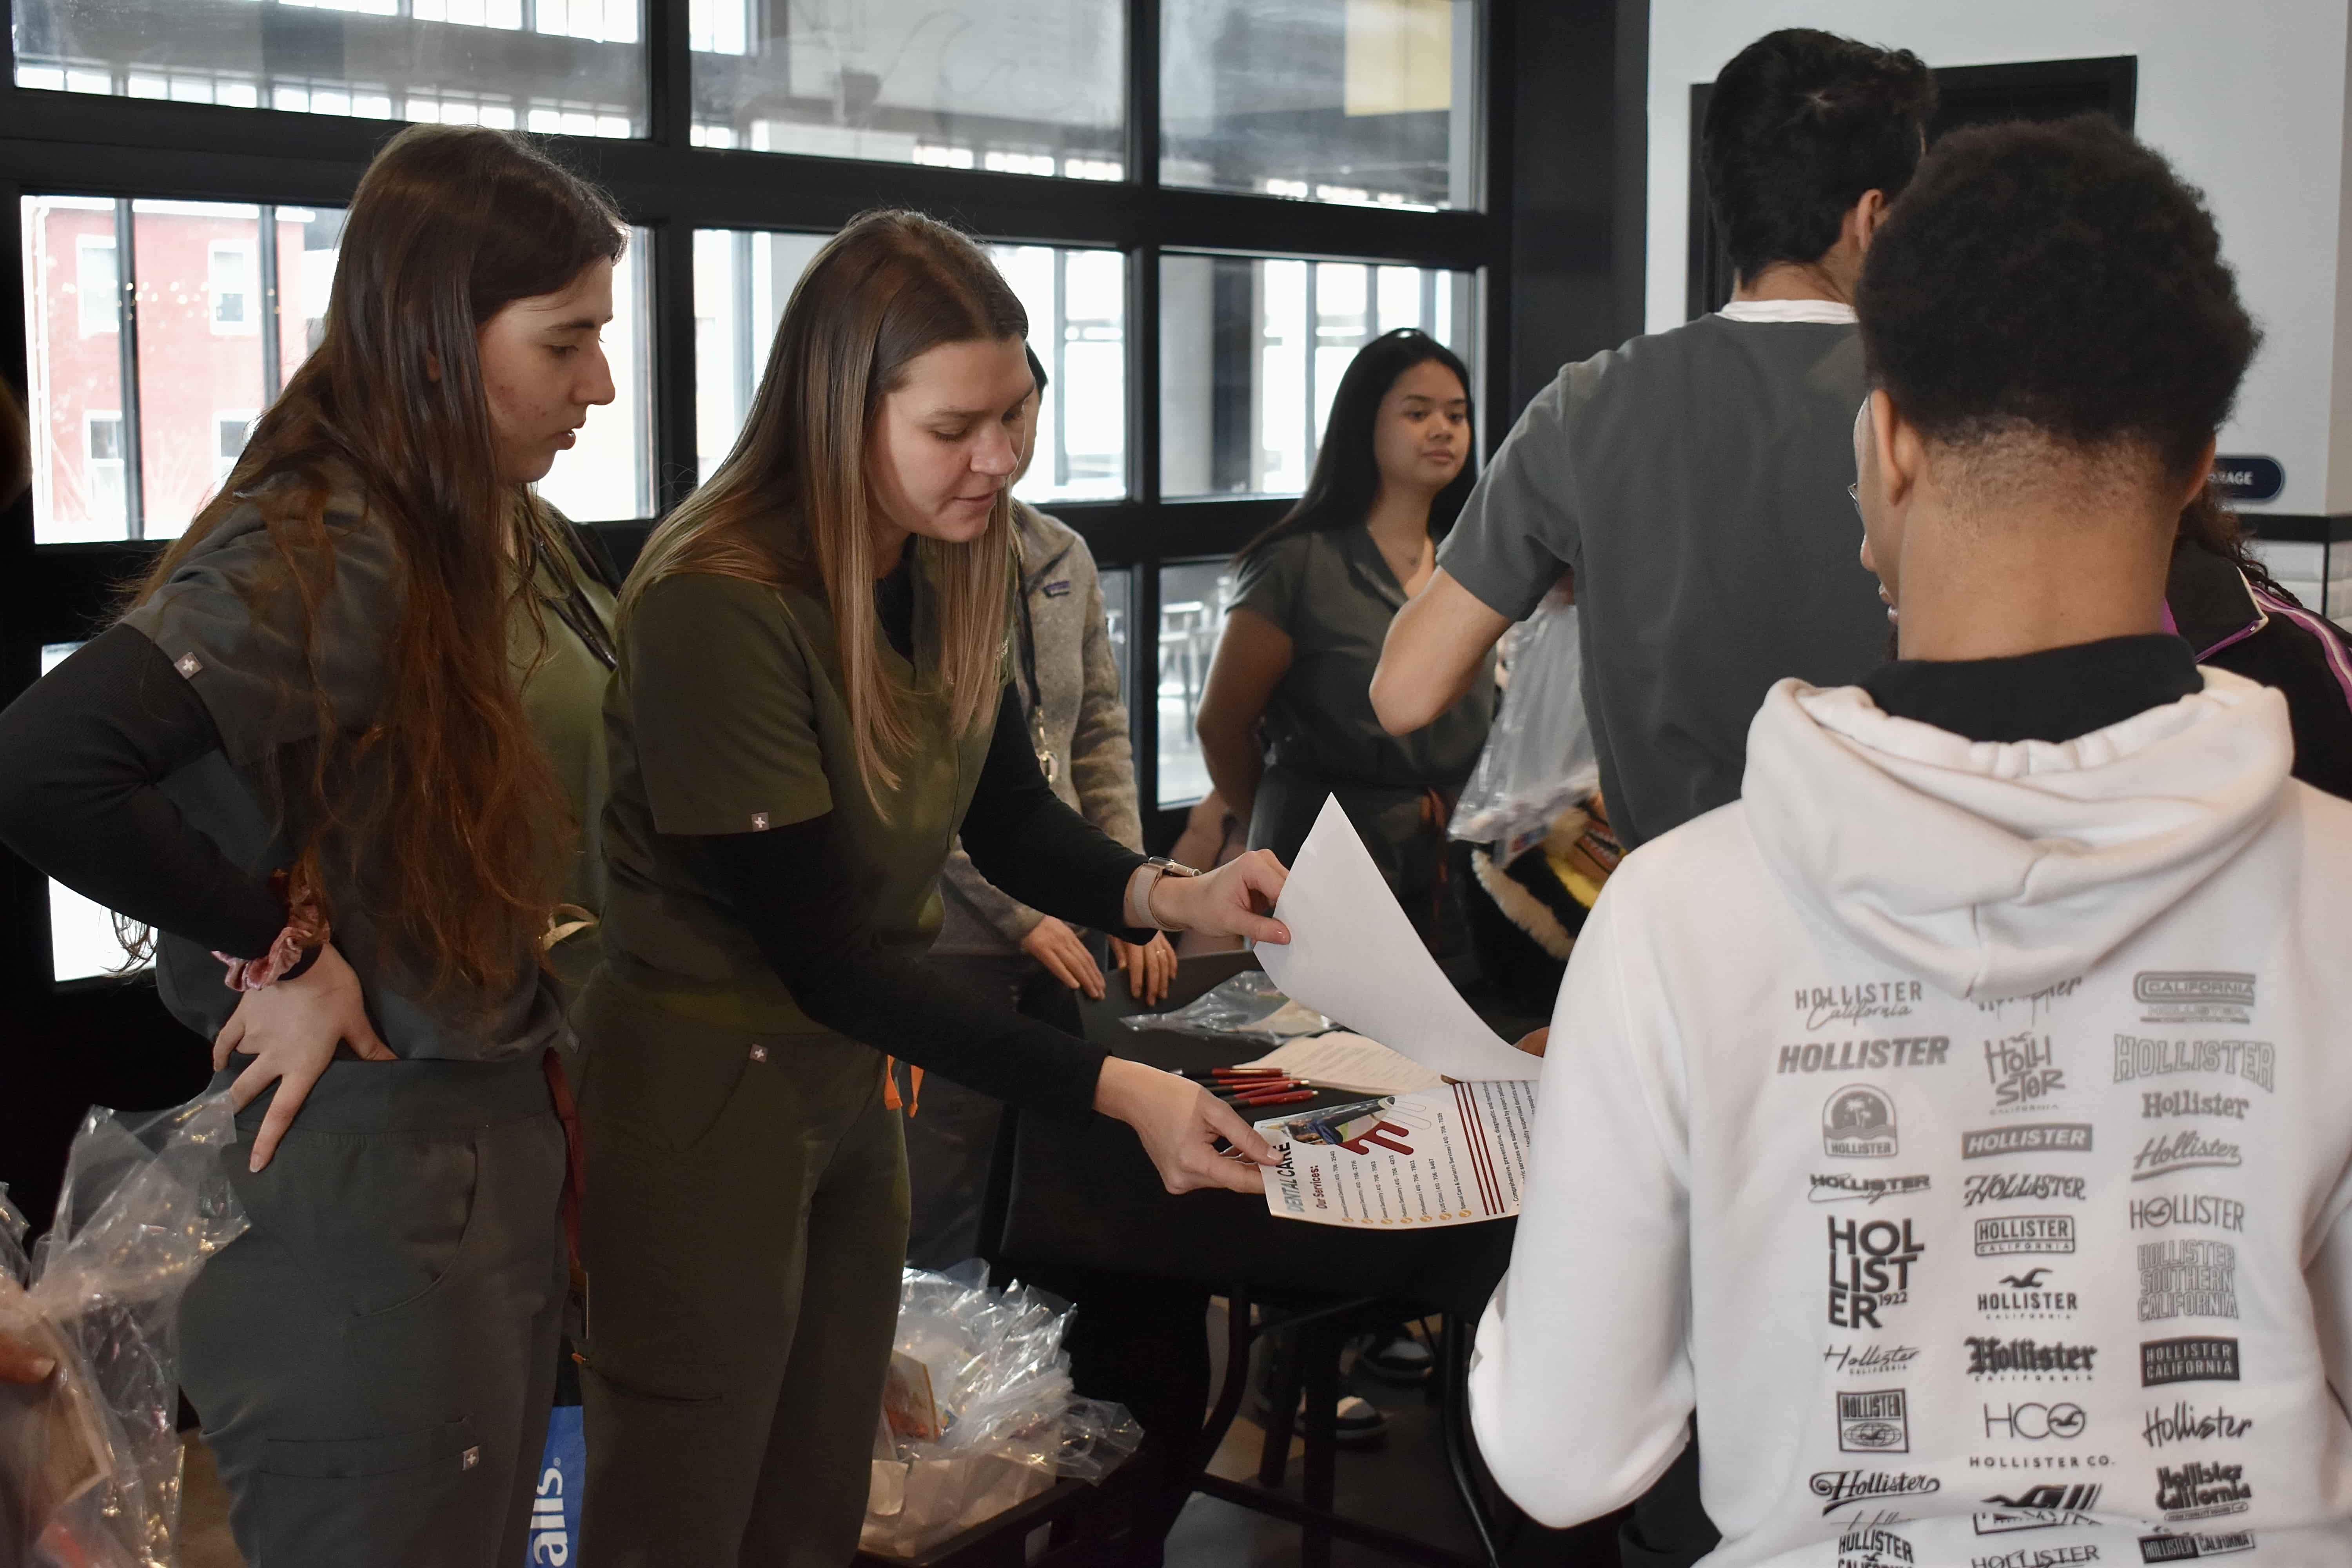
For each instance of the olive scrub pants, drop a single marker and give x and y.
(744, 1226)
(374, 1359)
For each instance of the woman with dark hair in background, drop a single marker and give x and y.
(1286, 717)
(328, 745)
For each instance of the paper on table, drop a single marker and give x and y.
(1342, 1060)
(1455, 1156)
(1353, 956)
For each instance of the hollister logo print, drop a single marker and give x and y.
(1822, 1005)
(1865, 1056)
(2194, 996)
(1873, 1423)
(2013, 1234)
(1838, 1187)
(2054, 1361)
(2158, 1104)
(2188, 1151)
(2023, 1071)
(2188, 1360)
(2029, 1137)
(2184, 1423)
(1870, 1269)
(2010, 1187)
(2033, 1421)
(1870, 1361)
(1872, 1546)
(2038, 1557)
(2255, 1061)
(2027, 1294)
(2201, 1491)
(2189, 1548)
(2038, 1508)
(1858, 1123)
(2184, 1208)
(2188, 1279)
(1840, 1488)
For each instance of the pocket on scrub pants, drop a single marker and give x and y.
(395, 1501)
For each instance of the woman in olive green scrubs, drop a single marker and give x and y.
(1286, 717)
(811, 703)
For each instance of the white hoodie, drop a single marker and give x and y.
(1963, 1129)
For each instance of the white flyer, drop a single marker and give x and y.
(1353, 957)
(1455, 1155)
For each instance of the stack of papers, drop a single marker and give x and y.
(1342, 1060)
(1423, 1152)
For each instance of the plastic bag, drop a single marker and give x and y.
(1539, 758)
(978, 1414)
(90, 1460)
(1250, 1004)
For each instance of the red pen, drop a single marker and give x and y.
(1290, 1098)
(1268, 1086)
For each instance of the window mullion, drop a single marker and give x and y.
(126, 266)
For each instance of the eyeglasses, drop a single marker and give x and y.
(1854, 494)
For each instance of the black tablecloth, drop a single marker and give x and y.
(1091, 1198)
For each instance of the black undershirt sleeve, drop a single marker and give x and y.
(1029, 842)
(792, 888)
(82, 752)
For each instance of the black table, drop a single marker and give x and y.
(1088, 1197)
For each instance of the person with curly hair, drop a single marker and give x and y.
(1966, 1102)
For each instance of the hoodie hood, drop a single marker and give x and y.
(1996, 869)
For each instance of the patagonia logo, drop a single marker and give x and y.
(1055, 589)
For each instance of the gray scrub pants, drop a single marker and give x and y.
(375, 1358)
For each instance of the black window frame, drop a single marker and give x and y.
(54, 142)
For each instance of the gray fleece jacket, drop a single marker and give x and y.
(1086, 726)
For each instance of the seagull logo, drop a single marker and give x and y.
(2028, 1280)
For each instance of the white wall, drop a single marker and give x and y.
(2248, 100)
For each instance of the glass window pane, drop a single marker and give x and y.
(1193, 600)
(1030, 87)
(1119, 602)
(1335, 100)
(575, 66)
(200, 353)
(73, 313)
(82, 943)
(607, 476)
(742, 280)
(1252, 351)
(1077, 302)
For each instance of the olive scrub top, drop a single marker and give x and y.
(757, 887)
(137, 772)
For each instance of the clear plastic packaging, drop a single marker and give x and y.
(1539, 758)
(1250, 1004)
(979, 1414)
(89, 1459)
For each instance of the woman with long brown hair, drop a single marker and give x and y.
(811, 702)
(328, 756)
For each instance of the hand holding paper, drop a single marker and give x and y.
(1353, 956)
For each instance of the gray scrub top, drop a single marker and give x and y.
(260, 682)
(1695, 482)
(1333, 592)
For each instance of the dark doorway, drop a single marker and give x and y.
(1966, 95)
